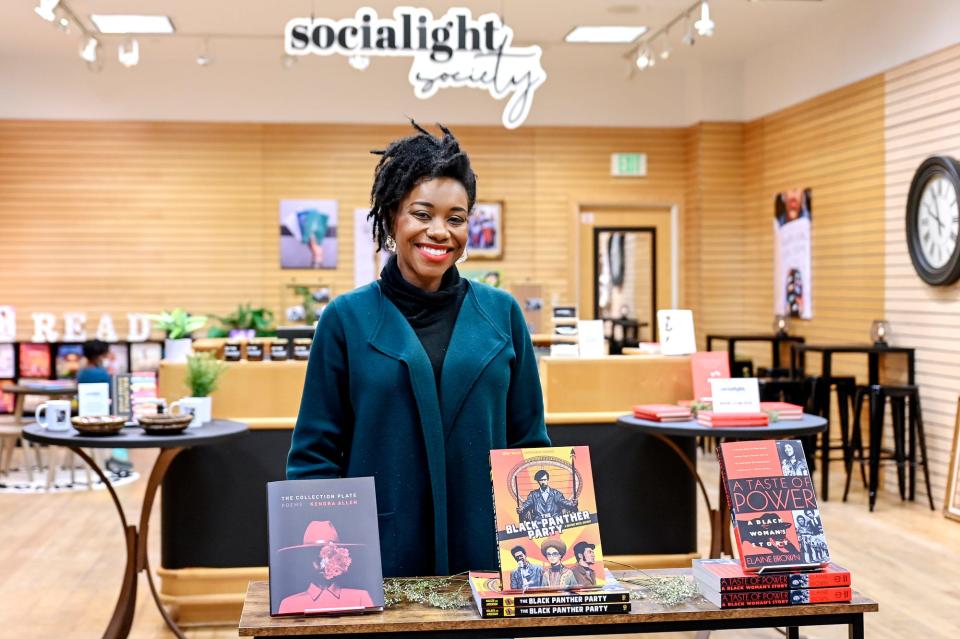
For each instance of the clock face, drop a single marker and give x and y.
(938, 221)
(933, 221)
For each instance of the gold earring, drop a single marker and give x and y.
(390, 244)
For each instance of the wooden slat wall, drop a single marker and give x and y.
(125, 216)
(922, 118)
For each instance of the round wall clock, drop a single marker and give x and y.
(933, 221)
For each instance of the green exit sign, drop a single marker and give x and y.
(628, 164)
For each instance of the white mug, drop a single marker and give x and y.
(56, 414)
(199, 407)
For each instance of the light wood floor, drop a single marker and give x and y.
(60, 565)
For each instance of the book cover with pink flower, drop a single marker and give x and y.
(324, 547)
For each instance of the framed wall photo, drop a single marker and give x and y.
(951, 503)
(485, 239)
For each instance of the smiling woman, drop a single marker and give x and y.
(415, 378)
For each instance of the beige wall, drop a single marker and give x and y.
(922, 118)
(126, 216)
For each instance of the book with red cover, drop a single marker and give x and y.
(35, 360)
(707, 365)
(547, 527)
(784, 410)
(324, 547)
(726, 575)
(766, 598)
(776, 516)
(662, 412)
(729, 420)
(6, 399)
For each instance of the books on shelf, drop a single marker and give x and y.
(662, 412)
(34, 360)
(727, 575)
(732, 420)
(545, 509)
(785, 411)
(775, 513)
(491, 601)
(324, 547)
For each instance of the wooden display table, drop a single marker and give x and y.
(647, 616)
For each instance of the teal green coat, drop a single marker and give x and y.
(370, 407)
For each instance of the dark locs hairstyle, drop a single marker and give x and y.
(407, 162)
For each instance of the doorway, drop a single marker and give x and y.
(625, 284)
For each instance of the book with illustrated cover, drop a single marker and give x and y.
(8, 369)
(488, 593)
(117, 360)
(145, 356)
(774, 507)
(324, 547)
(726, 575)
(765, 598)
(35, 360)
(68, 361)
(6, 399)
(704, 366)
(548, 532)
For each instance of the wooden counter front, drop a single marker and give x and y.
(614, 383)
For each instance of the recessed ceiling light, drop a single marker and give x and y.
(605, 35)
(132, 24)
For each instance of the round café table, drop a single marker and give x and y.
(720, 517)
(136, 537)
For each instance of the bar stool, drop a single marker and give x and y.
(906, 436)
(820, 388)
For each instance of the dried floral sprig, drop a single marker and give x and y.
(670, 590)
(446, 593)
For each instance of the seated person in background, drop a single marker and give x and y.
(94, 372)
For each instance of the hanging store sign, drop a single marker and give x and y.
(451, 51)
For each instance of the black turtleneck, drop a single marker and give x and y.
(431, 314)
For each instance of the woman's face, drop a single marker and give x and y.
(430, 228)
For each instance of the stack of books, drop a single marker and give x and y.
(784, 559)
(730, 420)
(785, 411)
(493, 602)
(662, 412)
(725, 584)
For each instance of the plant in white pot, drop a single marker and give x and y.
(178, 325)
(203, 376)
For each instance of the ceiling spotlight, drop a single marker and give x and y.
(45, 9)
(129, 53)
(64, 25)
(705, 25)
(289, 61)
(359, 62)
(665, 51)
(88, 50)
(644, 59)
(688, 38)
(205, 58)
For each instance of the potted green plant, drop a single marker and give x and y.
(203, 377)
(178, 324)
(246, 321)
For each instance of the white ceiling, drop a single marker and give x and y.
(822, 44)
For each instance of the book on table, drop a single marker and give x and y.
(732, 420)
(765, 598)
(547, 527)
(662, 412)
(704, 366)
(785, 411)
(775, 513)
(492, 601)
(727, 575)
(324, 547)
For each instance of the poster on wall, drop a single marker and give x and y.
(485, 237)
(793, 275)
(308, 233)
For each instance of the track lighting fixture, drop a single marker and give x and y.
(705, 25)
(359, 62)
(646, 52)
(129, 53)
(46, 9)
(88, 49)
(205, 58)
